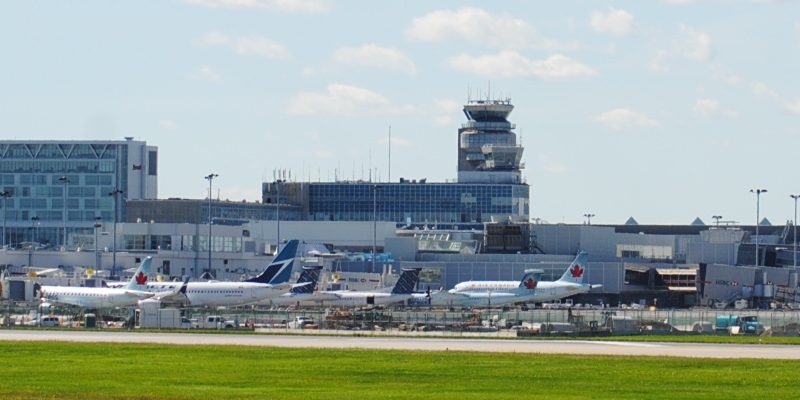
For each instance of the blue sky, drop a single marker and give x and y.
(660, 110)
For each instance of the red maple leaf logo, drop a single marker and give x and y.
(576, 271)
(531, 284)
(141, 279)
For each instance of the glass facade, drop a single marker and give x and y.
(418, 202)
(196, 211)
(33, 175)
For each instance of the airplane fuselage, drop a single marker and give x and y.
(345, 298)
(213, 294)
(290, 299)
(551, 291)
(89, 297)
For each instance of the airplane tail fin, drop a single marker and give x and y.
(531, 279)
(576, 270)
(408, 280)
(309, 275)
(139, 279)
(280, 269)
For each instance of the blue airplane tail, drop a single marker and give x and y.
(408, 280)
(576, 269)
(531, 279)
(309, 274)
(280, 269)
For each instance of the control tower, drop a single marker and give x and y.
(487, 145)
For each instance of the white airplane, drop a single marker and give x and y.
(272, 282)
(403, 290)
(570, 283)
(308, 292)
(102, 297)
(486, 293)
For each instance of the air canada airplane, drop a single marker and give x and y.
(488, 293)
(272, 282)
(570, 283)
(402, 291)
(103, 297)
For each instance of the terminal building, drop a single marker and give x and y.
(474, 229)
(490, 187)
(50, 188)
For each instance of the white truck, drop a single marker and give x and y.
(300, 322)
(216, 322)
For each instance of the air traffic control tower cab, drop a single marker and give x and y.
(487, 145)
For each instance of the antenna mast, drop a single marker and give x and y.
(390, 153)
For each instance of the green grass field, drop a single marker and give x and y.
(49, 370)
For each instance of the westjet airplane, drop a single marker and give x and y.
(402, 291)
(271, 283)
(487, 293)
(570, 283)
(102, 297)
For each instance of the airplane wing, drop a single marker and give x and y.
(288, 286)
(177, 296)
(138, 294)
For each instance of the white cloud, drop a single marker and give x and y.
(344, 100)
(309, 72)
(678, 1)
(206, 74)
(691, 44)
(761, 89)
(297, 6)
(695, 45)
(510, 64)
(615, 22)
(711, 107)
(246, 45)
(476, 26)
(623, 118)
(706, 106)
(213, 38)
(371, 55)
(261, 47)
(167, 125)
(445, 111)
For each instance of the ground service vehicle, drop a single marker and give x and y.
(738, 325)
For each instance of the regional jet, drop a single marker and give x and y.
(403, 290)
(570, 283)
(101, 297)
(272, 282)
(488, 293)
(309, 278)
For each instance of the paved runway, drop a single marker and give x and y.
(577, 347)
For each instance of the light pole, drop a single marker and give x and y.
(115, 193)
(210, 178)
(716, 219)
(588, 218)
(278, 213)
(34, 221)
(758, 217)
(794, 228)
(4, 195)
(65, 181)
(374, 223)
(97, 226)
